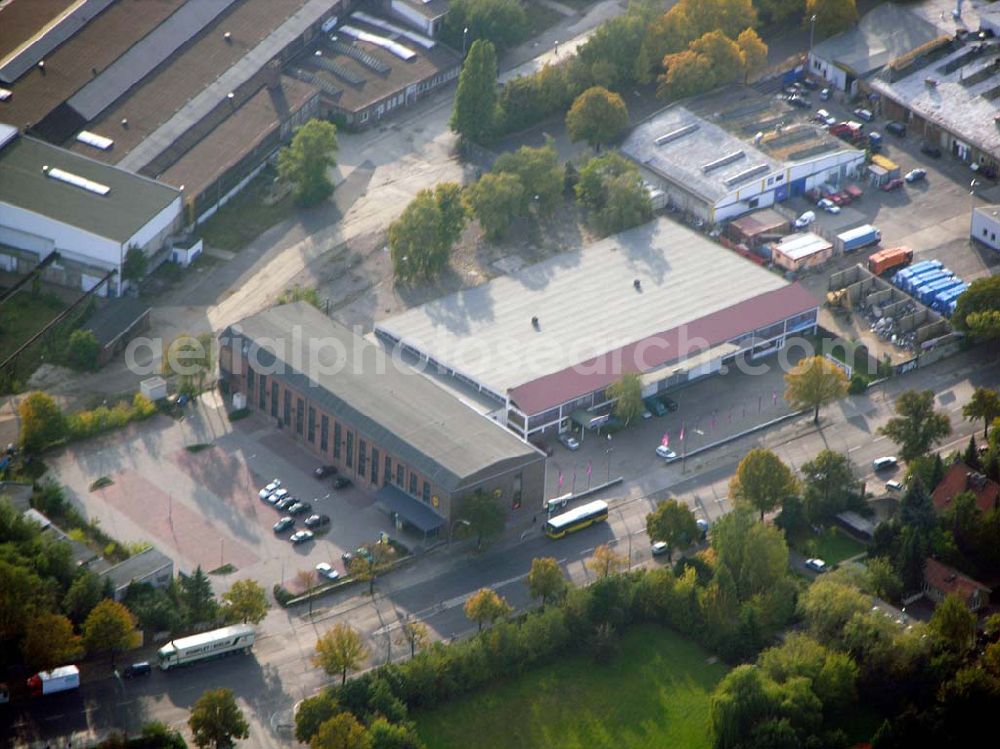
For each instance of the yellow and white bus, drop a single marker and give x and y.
(576, 519)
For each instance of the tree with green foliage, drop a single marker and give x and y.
(312, 712)
(753, 50)
(196, 593)
(496, 200)
(42, 422)
(546, 580)
(414, 634)
(828, 485)
(367, 567)
(814, 382)
(216, 721)
(929, 469)
(110, 629)
(954, 624)
(971, 455)
(486, 605)
(540, 173)
(50, 641)
(828, 605)
(453, 215)
(918, 427)
(475, 113)
(417, 243)
(755, 554)
(483, 514)
(762, 481)
(881, 579)
(776, 12)
(984, 404)
(832, 16)
(608, 57)
(674, 524)
(22, 596)
(592, 185)
(916, 508)
(387, 735)
(725, 55)
(245, 601)
(744, 697)
(83, 351)
(305, 162)
(340, 649)
(977, 310)
(501, 22)
(626, 392)
(598, 116)
(86, 591)
(606, 561)
(685, 74)
(342, 731)
(135, 265)
(627, 204)
(189, 358)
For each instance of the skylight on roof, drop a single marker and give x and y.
(675, 134)
(95, 140)
(729, 158)
(77, 181)
(747, 174)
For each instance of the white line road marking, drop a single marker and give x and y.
(856, 447)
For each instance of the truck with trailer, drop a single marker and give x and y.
(238, 638)
(855, 239)
(888, 259)
(60, 679)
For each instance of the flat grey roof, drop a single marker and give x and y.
(131, 203)
(137, 567)
(691, 153)
(586, 304)
(964, 101)
(883, 34)
(394, 405)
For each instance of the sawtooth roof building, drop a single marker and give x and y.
(543, 343)
(387, 427)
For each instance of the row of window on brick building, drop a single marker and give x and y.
(344, 450)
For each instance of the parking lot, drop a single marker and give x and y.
(190, 487)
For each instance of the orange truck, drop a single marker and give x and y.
(885, 260)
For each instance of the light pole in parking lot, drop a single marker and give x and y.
(465, 34)
(451, 528)
(608, 453)
(812, 27)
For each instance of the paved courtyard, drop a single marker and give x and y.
(200, 506)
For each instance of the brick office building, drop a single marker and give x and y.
(389, 429)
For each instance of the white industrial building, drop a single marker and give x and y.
(986, 225)
(90, 213)
(707, 171)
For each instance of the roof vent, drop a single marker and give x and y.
(637, 285)
(125, 122)
(535, 324)
(227, 36)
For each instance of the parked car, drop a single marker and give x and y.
(702, 527)
(915, 175)
(656, 406)
(798, 100)
(864, 114)
(269, 500)
(854, 191)
(317, 521)
(894, 486)
(669, 402)
(666, 453)
(341, 482)
(280, 494)
(929, 149)
(825, 94)
(893, 184)
(269, 489)
(824, 117)
(299, 508)
(828, 205)
(805, 220)
(816, 565)
(659, 548)
(325, 570)
(142, 668)
(283, 524)
(300, 537)
(885, 462)
(323, 471)
(569, 441)
(896, 128)
(646, 414)
(285, 504)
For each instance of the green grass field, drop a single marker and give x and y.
(654, 694)
(246, 216)
(22, 316)
(833, 546)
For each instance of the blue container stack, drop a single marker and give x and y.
(931, 283)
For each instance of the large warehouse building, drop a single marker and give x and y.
(388, 428)
(543, 344)
(90, 213)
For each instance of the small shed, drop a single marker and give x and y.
(799, 251)
(117, 323)
(758, 228)
(154, 388)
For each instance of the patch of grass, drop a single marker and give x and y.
(248, 215)
(654, 694)
(540, 17)
(198, 447)
(100, 483)
(23, 315)
(226, 569)
(833, 546)
(578, 4)
(239, 413)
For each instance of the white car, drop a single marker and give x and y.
(659, 548)
(300, 537)
(825, 117)
(864, 114)
(805, 220)
(828, 205)
(270, 489)
(325, 570)
(894, 486)
(666, 453)
(884, 463)
(279, 494)
(569, 441)
(816, 565)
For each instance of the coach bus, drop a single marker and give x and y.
(576, 519)
(235, 639)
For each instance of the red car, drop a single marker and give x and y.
(854, 191)
(842, 198)
(893, 184)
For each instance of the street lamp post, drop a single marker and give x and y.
(465, 34)
(608, 453)
(812, 27)
(451, 528)
(628, 535)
